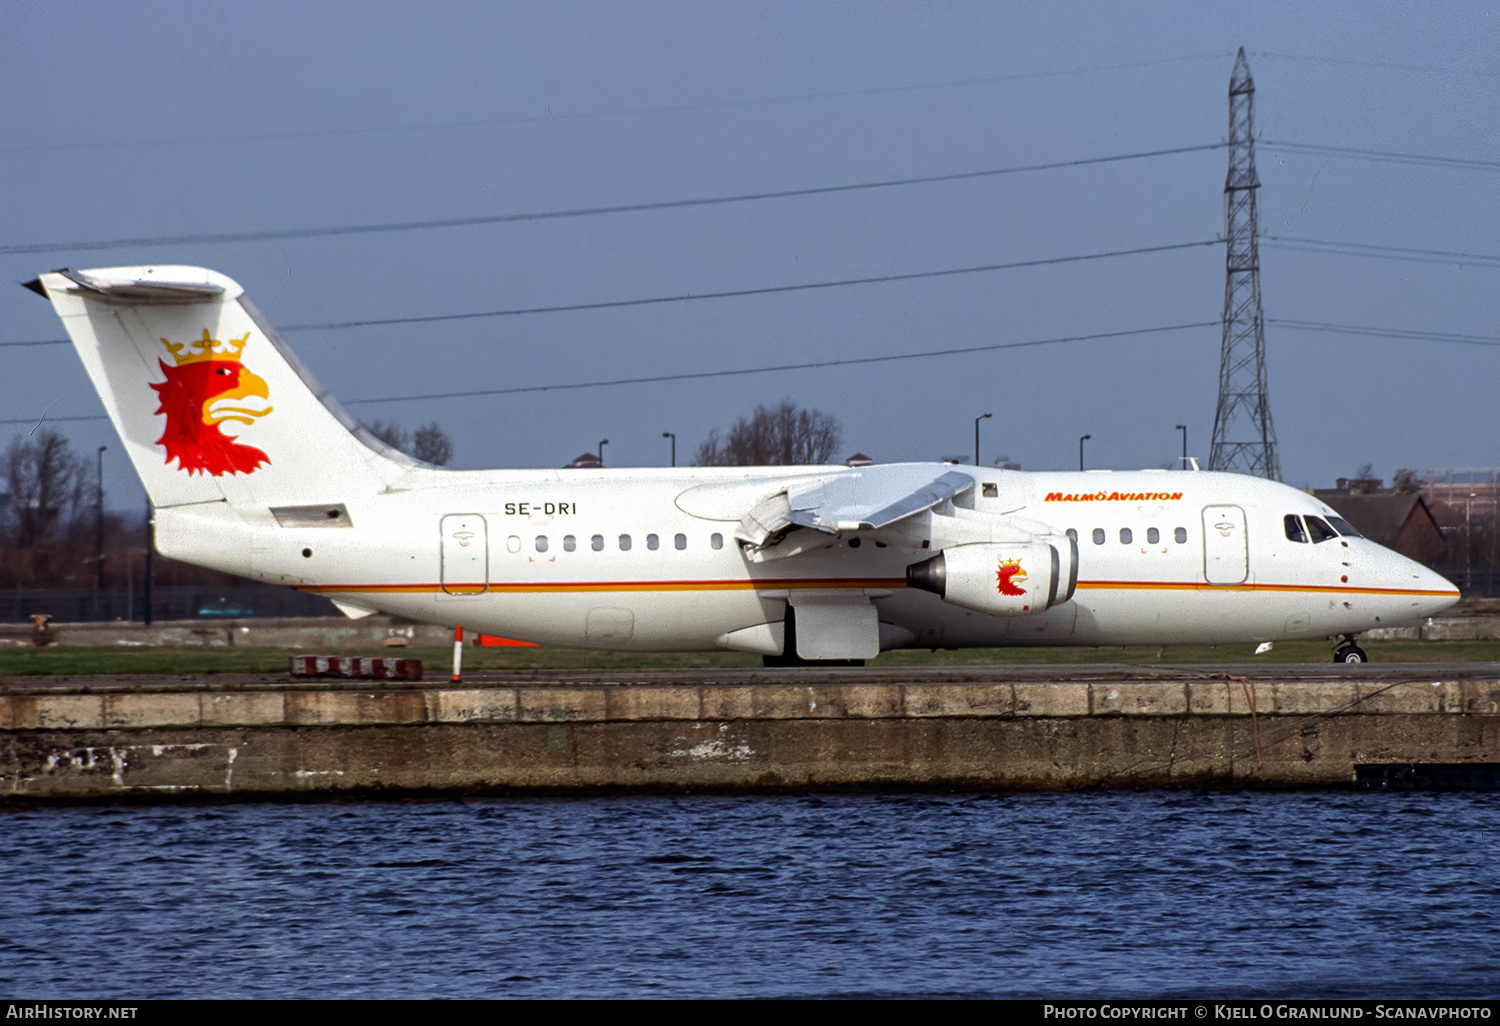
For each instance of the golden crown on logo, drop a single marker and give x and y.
(206, 348)
(1010, 562)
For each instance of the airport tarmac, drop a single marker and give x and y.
(974, 727)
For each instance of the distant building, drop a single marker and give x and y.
(1463, 499)
(859, 459)
(1398, 520)
(588, 461)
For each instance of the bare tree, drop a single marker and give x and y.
(47, 483)
(390, 433)
(49, 505)
(783, 435)
(429, 443)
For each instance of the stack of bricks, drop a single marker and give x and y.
(359, 667)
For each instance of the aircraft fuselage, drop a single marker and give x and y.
(611, 559)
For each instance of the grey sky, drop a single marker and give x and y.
(151, 120)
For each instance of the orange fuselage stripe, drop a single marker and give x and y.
(850, 583)
(1341, 589)
(590, 586)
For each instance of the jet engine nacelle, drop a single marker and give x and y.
(1005, 579)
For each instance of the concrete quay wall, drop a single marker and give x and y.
(373, 632)
(277, 740)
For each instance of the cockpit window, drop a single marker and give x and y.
(1294, 531)
(1344, 528)
(1320, 531)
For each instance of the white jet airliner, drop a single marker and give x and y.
(256, 471)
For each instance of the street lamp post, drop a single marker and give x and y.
(99, 524)
(602, 443)
(668, 434)
(1081, 440)
(986, 416)
(1468, 537)
(1183, 429)
(150, 549)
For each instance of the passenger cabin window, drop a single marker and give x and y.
(716, 540)
(1125, 536)
(624, 543)
(513, 544)
(1294, 531)
(1320, 531)
(680, 541)
(541, 543)
(1098, 536)
(597, 543)
(1344, 528)
(1152, 536)
(569, 542)
(1180, 535)
(652, 542)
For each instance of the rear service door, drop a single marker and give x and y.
(1226, 550)
(465, 554)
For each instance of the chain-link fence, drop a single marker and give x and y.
(170, 602)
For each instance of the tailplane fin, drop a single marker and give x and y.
(209, 401)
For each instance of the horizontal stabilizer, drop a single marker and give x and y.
(141, 291)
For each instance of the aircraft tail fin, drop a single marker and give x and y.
(210, 403)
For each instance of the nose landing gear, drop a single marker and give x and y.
(1349, 652)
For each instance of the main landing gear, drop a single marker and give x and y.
(1349, 652)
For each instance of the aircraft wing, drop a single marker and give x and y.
(861, 499)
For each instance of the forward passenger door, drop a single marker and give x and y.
(1226, 548)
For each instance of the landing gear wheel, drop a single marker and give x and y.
(1350, 654)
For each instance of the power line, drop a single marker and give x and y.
(732, 373)
(1436, 69)
(734, 293)
(1399, 333)
(689, 297)
(1387, 156)
(554, 117)
(625, 208)
(1426, 256)
(783, 367)
(50, 420)
(1278, 241)
(1320, 326)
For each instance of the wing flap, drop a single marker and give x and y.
(861, 499)
(870, 498)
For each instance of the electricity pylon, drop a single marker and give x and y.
(1244, 439)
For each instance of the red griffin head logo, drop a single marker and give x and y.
(209, 385)
(1008, 575)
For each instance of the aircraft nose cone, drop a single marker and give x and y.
(1439, 592)
(1427, 591)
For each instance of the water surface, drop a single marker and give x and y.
(1130, 894)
